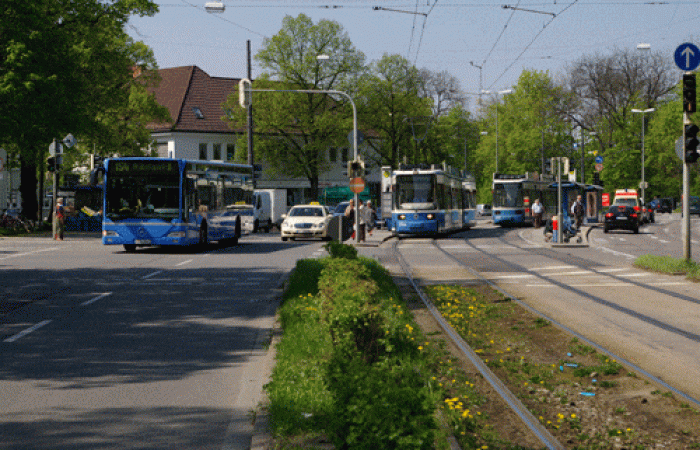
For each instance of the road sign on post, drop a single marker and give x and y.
(687, 56)
(357, 185)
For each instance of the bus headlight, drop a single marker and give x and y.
(430, 216)
(176, 234)
(108, 233)
(402, 216)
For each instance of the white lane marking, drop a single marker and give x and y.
(653, 237)
(613, 269)
(512, 276)
(580, 272)
(183, 263)
(27, 331)
(151, 274)
(29, 253)
(616, 253)
(93, 300)
(634, 275)
(663, 241)
(552, 268)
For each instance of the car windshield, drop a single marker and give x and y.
(341, 208)
(306, 212)
(626, 201)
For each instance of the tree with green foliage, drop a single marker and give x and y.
(388, 104)
(295, 130)
(66, 66)
(524, 128)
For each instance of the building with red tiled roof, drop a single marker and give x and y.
(198, 131)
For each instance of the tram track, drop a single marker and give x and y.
(417, 277)
(655, 290)
(530, 421)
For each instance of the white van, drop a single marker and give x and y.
(269, 205)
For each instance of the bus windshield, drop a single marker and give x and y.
(507, 195)
(143, 189)
(415, 191)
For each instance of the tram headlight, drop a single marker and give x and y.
(176, 234)
(430, 216)
(402, 216)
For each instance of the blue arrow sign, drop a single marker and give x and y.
(598, 159)
(687, 56)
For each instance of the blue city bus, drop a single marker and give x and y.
(428, 200)
(173, 202)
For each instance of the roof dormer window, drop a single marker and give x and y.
(197, 112)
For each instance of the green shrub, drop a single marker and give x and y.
(385, 405)
(340, 250)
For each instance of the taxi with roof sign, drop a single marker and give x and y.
(310, 221)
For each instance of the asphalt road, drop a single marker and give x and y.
(158, 349)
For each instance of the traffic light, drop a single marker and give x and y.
(548, 166)
(244, 93)
(356, 169)
(596, 179)
(691, 143)
(689, 92)
(51, 164)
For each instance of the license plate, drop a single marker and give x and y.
(621, 218)
(142, 242)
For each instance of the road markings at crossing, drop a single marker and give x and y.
(93, 300)
(27, 331)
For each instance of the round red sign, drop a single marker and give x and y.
(357, 185)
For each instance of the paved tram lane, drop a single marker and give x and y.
(649, 319)
(156, 349)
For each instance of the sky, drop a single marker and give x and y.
(483, 44)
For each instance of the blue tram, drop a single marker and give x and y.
(431, 200)
(513, 196)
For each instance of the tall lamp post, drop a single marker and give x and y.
(643, 113)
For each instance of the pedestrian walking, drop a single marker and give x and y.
(350, 217)
(577, 211)
(59, 218)
(537, 211)
(370, 217)
(362, 211)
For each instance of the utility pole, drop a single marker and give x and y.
(249, 120)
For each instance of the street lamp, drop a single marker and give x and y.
(481, 91)
(643, 113)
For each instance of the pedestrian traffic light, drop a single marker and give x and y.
(356, 169)
(689, 92)
(691, 143)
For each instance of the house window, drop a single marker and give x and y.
(217, 152)
(230, 152)
(203, 152)
(162, 149)
(332, 154)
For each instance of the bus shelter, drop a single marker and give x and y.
(591, 194)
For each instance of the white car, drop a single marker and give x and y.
(306, 221)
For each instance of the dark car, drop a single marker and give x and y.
(694, 205)
(621, 217)
(340, 208)
(662, 205)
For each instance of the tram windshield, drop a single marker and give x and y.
(507, 195)
(416, 191)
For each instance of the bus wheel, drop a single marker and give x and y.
(130, 248)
